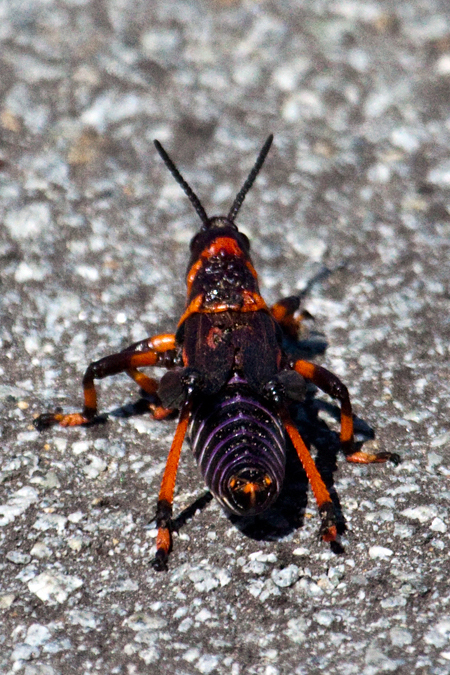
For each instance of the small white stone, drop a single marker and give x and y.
(17, 504)
(54, 587)
(309, 587)
(75, 517)
(405, 139)
(296, 630)
(285, 577)
(6, 600)
(263, 557)
(88, 272)
(203, 615)
(30, 221)
(380, 552)
(438, 525)
(24, 652)
(37, 634)
(442, 439)
(48, 482)
(185, 625)
(79, 447)
(207, 663)
(379, 173)
(324, 617)
(95, 468)
(393, 601)
(29, 272)
(191, 655)
(400, 637)
(255, 567)
(75, 543)
(440, 175)
(141, 621)
(18, 557)
(40, 550)
(439, 634)
(442, 66)
(421, 513)
(49, 521)
(83, 618)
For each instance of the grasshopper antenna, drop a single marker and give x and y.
(195, 201)
(250, 180)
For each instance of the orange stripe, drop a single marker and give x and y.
(252, 302)
(346, 428)
(194, 307)
(163, 540)
(162, 343)
(317, 485)
(305, 369)
(170, 473)
(145, 359)
(90, 396)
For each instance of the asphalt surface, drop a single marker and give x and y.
(94, 245)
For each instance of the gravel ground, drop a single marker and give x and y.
(94, 243)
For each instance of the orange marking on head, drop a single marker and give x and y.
(225, 244)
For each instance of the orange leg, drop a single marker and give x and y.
(284, 311)
(149, 352)
(150, 386)
(323, 499)
(332, 386)
(165, 499)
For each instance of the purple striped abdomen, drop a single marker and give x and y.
(240, 447)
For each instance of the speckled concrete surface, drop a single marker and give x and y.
(94, 236)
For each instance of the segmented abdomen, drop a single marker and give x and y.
(240, 447)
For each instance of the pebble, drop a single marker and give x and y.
(380, 552)
(285, 577)
(95, 467)
(24, 652)
(17, 504)
(30, 221)
(421, 513)
(37, 634)
(54, 587)
(296, 630)
(18, 557)
(438, 525)
(400, 637)
(7, 600)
